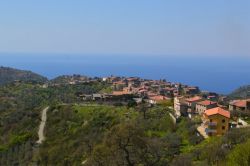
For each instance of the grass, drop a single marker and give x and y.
(15, 140)
(88, 111)
(247, 119)
(151, 133)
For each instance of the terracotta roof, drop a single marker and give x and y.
(132, 79)
(119, 83)
(206, 102)
(169, 88)
(121, 93)
(240, 103)
(150, 93)
(143, 90)
(193, 99)
(158, 98)
(144, 87)
(217, 110)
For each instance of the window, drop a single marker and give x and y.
(223, 120)
(223, 127)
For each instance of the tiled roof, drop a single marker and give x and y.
(217, 110)
(143, 90)
(119, 83)
(193, 99)
(158, 98)
(206, 102)
(121, 93)
(240, 103)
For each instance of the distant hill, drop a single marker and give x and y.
(8, 75)
(242, 92)
(65, 79)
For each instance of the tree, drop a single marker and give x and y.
(143, 109)
(182, 160)
(173, 144)
(240, 156)
(127, 144)
(132, 103)
(120, 146)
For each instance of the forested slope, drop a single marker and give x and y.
(8, 75)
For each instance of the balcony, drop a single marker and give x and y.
(212, 124)
(210, 131)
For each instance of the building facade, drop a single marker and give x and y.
(202, 106)
(216, 121)
(180, 106)
(239, 105)
(191, 103)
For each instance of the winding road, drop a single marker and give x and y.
(42, 126)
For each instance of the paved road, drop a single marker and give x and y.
(42, 126)
(201, 130)
(244, 123)
(173, 118)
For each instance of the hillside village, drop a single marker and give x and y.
(216, 113)
(171, 123)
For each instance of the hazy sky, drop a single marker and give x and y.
(165, 27)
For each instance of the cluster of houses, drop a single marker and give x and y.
(216, 119)
(151, 91)
(189, 101)
(240, 105)
(127, 89)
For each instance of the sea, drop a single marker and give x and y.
(221, 74)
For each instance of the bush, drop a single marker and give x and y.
(240, 156)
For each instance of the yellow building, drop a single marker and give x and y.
(216, 121)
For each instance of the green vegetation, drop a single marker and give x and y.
(97, 134)
(96, 129)
(109, 135)
(107, 90)
(20, 107)
(240, 93)
(8, 75)
(240, 155)
(187, 130)
(81, 127)
(217, 150)
(19, 113)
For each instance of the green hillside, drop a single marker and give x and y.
(8, 75)
(240, 93)
(97, 133)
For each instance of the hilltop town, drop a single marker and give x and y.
(117, 120)
(217, 113)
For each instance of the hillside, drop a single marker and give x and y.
(65, 79)
(241, 92)
(95, 134)
(8, 75)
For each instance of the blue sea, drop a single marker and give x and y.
(212, 73)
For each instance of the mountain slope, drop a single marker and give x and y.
(8, 75)
(241, 92)
(64, 79)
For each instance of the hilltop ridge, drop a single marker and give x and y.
(240, 93)
(8, 75)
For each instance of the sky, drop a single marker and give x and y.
(136, 27)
